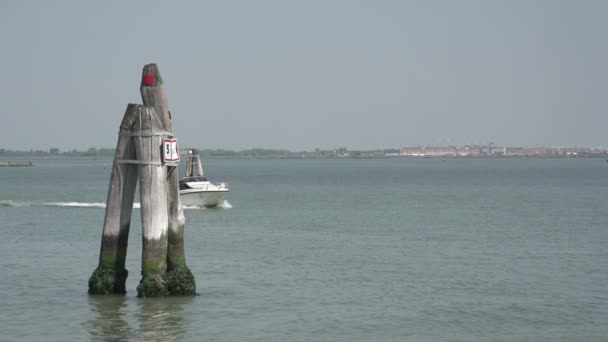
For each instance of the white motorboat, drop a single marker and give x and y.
(197, 190)
(200, 192)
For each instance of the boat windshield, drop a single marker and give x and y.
(193, 179)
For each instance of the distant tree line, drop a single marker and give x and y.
(109, 152)
(341, 152)
(55, 152)
(254, 152)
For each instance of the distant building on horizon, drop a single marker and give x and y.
(429, 151)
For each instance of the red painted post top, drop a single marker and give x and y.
(149, 80)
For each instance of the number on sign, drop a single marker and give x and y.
(171, 152)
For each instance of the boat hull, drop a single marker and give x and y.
(197, 198)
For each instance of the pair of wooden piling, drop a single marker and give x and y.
(139, 156)
(193, 163)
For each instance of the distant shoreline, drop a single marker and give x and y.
(305, 157)
(11, 164)
(448, 152)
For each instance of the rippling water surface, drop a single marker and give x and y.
(325, 250)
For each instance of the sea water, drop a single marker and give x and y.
(324, 250)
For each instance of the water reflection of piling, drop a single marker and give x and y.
(116, 318)
(162, 319)
(109, 323)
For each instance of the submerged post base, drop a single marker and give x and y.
(180, 282)
(153, 285)
(108, 281)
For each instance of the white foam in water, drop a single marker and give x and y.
(10, 203)
(192, 207)
(83, 204)
(76, 204)
(225, 205)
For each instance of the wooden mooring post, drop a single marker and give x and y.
(180, 279)
(193, 162)
(139, 155)
(111, 274)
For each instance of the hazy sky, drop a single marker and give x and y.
(306, 74)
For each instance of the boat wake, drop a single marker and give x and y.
(14, 204)
(94, 205)
(75, 204)
(225, 205)
(22, 204)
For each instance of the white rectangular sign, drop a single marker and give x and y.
(170, 153)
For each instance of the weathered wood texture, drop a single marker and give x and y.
(193, 163)
(190, 164)
(153, 94)
(153, 198)
(180, 279)
(138, 155)
(199, 165)
(111, 274)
